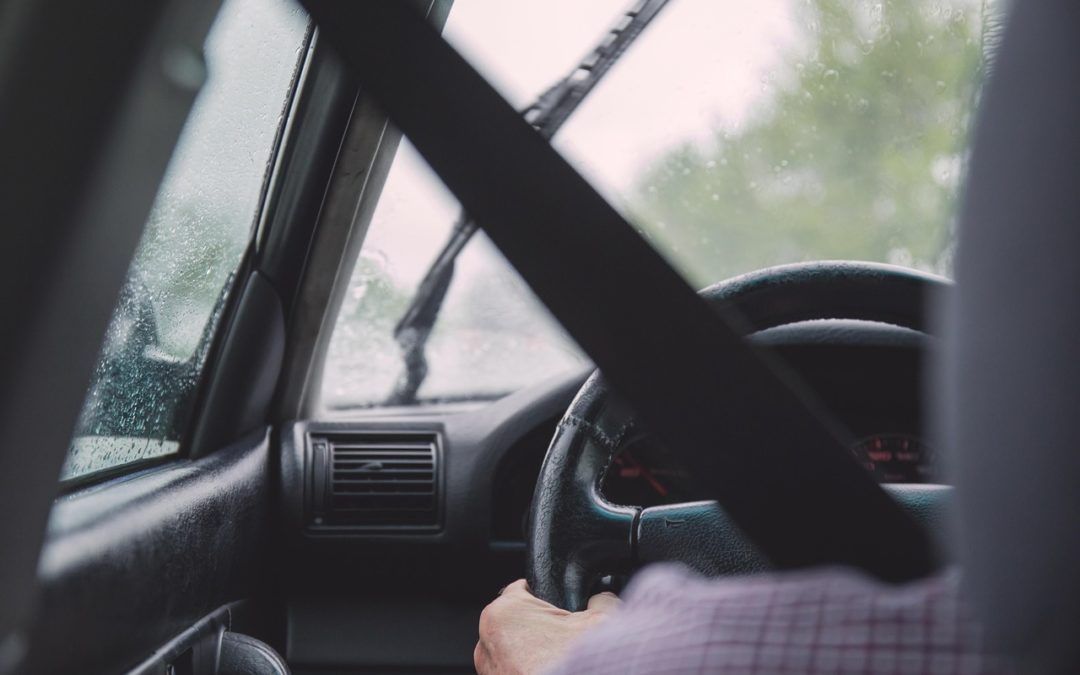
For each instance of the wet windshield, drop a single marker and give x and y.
(734, 135)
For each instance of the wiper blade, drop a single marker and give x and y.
(547, 114)
(414, 328)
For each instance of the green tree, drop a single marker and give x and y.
(856, 154)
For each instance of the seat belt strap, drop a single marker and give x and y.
(752, 435)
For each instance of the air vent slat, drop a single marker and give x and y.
(389, 501)
(351, 456)
(382, 447)
(396, 444)
(404, 456)
(346, 461)
(381, 482)
(420, 452)
(381, 489)
(381, 479)
(381, 512)
(347, 471)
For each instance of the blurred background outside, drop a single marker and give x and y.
(734, 135)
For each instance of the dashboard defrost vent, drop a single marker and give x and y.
(379, 482)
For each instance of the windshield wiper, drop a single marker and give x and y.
(547, 114)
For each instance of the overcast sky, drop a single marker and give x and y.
(702, 64)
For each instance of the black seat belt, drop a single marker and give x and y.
(753, 436)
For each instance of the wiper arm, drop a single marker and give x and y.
(414, 328)
(547, 114)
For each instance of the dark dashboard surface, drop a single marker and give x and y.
(867, 375)
(483, 462)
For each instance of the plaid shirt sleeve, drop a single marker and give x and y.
(820, 621)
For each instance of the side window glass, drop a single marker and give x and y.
(140, 400)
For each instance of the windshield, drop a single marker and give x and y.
(734, 135)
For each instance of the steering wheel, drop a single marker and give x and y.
(576, 535)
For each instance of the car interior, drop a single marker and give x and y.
(319, 336)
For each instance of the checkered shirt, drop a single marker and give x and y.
(820, 621)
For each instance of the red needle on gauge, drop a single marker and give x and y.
(632, 467)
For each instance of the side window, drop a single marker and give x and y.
(140, 400)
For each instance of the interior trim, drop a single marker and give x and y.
(202, 527)
(84, 151)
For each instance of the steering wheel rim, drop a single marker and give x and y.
(575, 533)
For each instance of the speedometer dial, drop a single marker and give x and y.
(644, 475)
(895, 458)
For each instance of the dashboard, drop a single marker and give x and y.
(867, 375)
(643, 474)
(463, 536)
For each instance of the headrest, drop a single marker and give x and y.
(1012, 365)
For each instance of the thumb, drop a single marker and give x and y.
(604, 602)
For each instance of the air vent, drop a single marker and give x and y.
(374, 481)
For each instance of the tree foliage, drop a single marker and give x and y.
(855, 155)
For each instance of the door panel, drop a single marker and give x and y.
(132, 563)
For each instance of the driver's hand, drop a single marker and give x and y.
(519, 633)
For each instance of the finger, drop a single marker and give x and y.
(519, 586)
(604, 602)
(480, 658)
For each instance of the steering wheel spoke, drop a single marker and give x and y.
(697, 534)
